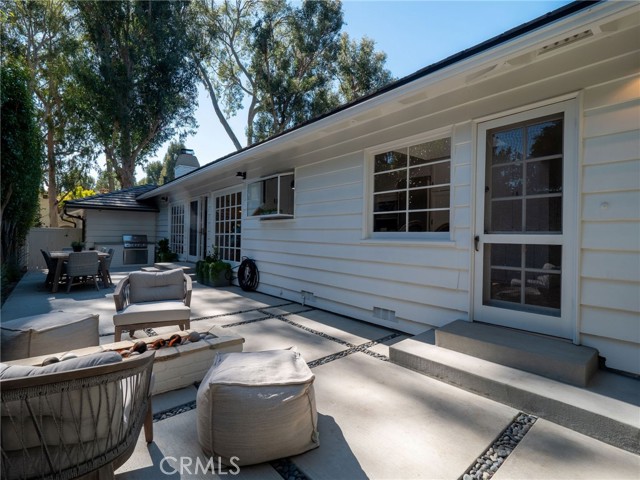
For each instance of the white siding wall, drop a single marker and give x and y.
(323, 250)
(610, 253)
(104, 228)
(162, 222)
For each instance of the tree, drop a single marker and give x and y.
(22, 159)
(360, 69)
(107, 181)
(43, 34)
(286, 63)
(169, 162)
(137, 77)
(154, 173)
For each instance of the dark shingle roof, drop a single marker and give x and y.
(125, 199)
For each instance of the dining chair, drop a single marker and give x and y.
(51, 267)
(104, 273)
(82, 264)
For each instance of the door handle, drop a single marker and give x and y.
(476, 242)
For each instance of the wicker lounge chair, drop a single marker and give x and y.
(73, 423)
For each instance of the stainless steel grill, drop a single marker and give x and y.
(135, 250)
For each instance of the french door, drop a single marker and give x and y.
(197, 229)
(525, 218)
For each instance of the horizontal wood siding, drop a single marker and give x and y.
(324, 250)
(162, 222)
(104, 228)
(610, 223)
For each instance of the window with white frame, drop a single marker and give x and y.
(271, 197)
(228, 225)
(411, 188)
(177, 229)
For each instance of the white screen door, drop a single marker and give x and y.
(524, 267)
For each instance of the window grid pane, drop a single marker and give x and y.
(177, 229)
(525, 190)
(413, 195)
(228, 223)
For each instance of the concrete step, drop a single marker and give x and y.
(189, 268)
(549, 357)
(608, 409)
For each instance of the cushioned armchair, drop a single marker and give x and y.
(152, 299)
(78, 417)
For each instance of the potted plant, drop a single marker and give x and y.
(77, 246)
(213, 271)
(164, 253)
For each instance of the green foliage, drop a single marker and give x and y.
(164, 253)
(154, 173)
(137, 77)
(213, 271)
(21, 158)
(77, 246)
(105, 180)
(288, 58)
(78, 192)
(360, 69)
(169, 162)
(43, 34)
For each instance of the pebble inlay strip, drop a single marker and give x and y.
(172, 412)
(488, 464)
(287, 469)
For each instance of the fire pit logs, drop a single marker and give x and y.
(174, 340)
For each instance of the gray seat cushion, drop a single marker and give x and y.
(47, 333)
(151, 312)
(95, 360)
(156, 286)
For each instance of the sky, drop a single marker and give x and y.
(413, 34)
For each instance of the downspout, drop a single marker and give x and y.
(67, 214)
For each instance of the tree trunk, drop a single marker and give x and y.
(110, 180)
(126, 172)
(53, 188)
(214, 101)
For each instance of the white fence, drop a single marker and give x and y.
(48, 239)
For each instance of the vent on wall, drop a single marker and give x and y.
(384, 314)
(565, 41)
(307, 297)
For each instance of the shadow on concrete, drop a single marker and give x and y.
(333, 459)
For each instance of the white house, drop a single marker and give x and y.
(499, 185)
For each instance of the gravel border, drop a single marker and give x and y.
(488, 464)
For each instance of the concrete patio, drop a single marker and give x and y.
(376, 419)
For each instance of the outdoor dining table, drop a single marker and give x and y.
(60, 256)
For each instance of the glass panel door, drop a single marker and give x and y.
(521, 247)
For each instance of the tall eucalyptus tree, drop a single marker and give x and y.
(137, 77)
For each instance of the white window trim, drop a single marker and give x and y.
(184, 226)
(273, 216)
(414, 237)
(214, 236)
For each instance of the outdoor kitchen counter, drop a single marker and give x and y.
(174, 367)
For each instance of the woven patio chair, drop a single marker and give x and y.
(51, 268)
(75, 423)
(83, 264)
(103, 272)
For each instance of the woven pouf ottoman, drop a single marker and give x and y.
(47, 333)
(254, 407)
